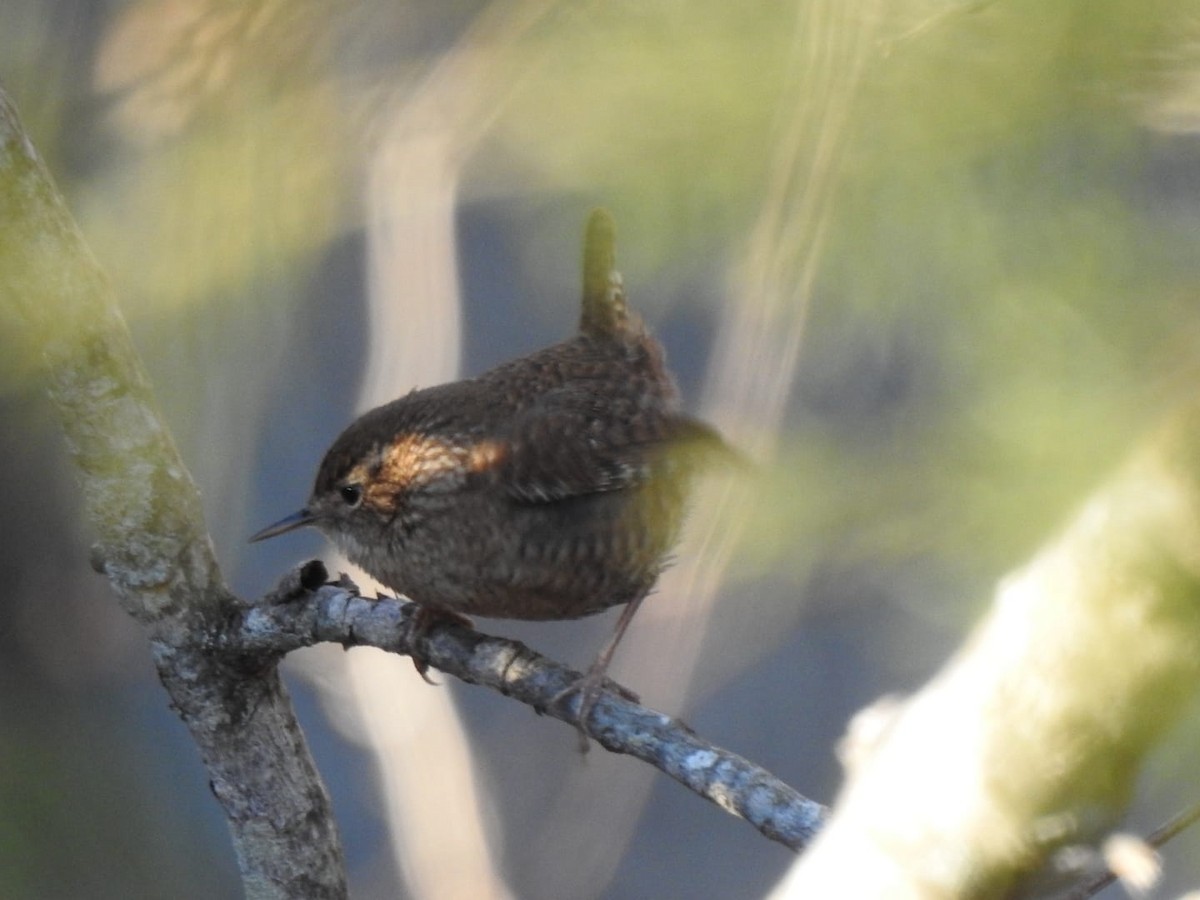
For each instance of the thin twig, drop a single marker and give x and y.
(1165, 832)
(338, 614)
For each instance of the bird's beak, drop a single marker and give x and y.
(290, 523)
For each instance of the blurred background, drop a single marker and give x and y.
(932, 264)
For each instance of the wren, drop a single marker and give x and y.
(550, 487)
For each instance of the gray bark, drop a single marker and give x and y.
(151, 541)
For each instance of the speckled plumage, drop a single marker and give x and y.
(550, 487)
(543, 489)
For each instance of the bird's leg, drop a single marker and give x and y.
(592, 683)
(425, 618)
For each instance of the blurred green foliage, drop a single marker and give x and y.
(1000, 239)
(1006, 294)
(1000, 235)
(1004, 240)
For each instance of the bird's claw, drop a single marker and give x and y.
(425, 618)
(422, 667)
(590, 687)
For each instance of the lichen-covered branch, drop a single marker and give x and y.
(300, 614)
(151, 540)
(1031, 738)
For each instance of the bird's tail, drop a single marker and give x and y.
(605, 313)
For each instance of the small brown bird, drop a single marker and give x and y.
(550, 487)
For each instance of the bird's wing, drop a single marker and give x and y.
(572, 443)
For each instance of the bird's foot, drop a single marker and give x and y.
(593, 682)
(425, 618)
(589, 687)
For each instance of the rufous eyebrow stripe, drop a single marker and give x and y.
(427, 461)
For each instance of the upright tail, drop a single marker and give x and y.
(605, 313)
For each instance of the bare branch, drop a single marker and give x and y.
(294, 617)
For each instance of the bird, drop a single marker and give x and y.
(551, 487)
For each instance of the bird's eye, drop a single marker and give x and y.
(351, 494)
